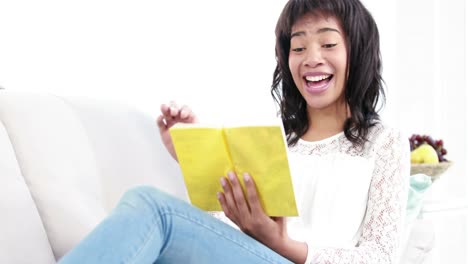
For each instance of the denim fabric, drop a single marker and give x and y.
(149, 226)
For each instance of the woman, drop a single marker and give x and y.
(350, 172)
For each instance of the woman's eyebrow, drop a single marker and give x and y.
(327, 29)
(298, 33)
(319, 31)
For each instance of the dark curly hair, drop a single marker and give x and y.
(364, 84)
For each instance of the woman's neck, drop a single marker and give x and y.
(324, 123)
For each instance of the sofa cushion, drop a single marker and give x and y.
(57, 162)
(127, 148)
(23, 239)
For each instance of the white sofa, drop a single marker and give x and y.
(66, 161)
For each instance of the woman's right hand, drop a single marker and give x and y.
(170, 115)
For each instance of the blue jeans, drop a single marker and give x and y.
(149, 226)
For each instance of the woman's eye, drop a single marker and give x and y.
(329, 46)
(298, 49)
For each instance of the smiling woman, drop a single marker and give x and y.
(349, 170)
(319, 60)
(145, 53)
(327, 66)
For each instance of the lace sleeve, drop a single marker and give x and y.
(385, 215)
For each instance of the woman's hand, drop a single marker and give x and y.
(247, 212)
(170, 115)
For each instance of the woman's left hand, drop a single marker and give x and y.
(247, 212)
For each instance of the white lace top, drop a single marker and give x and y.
(351, 200)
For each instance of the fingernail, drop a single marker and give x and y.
(231, 176)
(223, 181)
(219, 195)
(246, 177)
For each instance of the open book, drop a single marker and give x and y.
(207, 153)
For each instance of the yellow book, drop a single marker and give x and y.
(206, 154)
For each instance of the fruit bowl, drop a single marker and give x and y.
(433, 170)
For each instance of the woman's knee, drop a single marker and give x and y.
(142, 190)
(148, 199)
(143, 197)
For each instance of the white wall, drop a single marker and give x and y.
(143, 52)
(465, 247)
(431, 67)
(148, 52)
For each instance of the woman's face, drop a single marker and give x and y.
(318, 59)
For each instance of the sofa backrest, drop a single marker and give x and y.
(127, 148)
(22, 234)
(77, 156)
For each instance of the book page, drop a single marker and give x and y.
(261, 152)
(203, 159)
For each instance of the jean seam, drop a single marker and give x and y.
(146, 241)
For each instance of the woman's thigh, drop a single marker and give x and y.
(150, 226)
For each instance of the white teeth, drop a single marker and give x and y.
(316, 78)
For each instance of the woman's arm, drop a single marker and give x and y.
(386, 207)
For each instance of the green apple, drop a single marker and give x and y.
(424, 154)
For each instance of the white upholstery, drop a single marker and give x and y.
(22, 235)
(66, 162)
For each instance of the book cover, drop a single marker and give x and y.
(207, 153)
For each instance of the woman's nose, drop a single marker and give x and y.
(313, 58)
